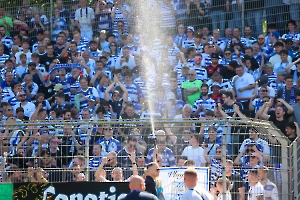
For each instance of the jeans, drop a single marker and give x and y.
(235, 20)
(218, 16)
(254, 19)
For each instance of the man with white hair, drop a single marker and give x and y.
(191, 89)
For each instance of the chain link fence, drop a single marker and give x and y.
(70, 152)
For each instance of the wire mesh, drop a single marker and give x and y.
(59, 151)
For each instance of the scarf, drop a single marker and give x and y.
(292, 95)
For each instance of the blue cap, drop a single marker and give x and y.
(190, 28)
(276, 34)
(44, 132)
(31, 64)
(92, 98)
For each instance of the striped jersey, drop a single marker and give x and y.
(33, 89)
(7, 41)
(208, 104)
(69, 80)
(3, 58)
(134, 92)
(89, 92)
(168, 159)
(187, 43)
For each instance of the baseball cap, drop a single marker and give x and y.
(58, 87)
(190, 28)
(276, 34)
(215, 84)
(91, 98)
(185, 65)
(214, 55)
(124, 64)
(31, 64)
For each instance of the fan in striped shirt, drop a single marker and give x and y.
(189, 41)
(95, 162)
(203, 103)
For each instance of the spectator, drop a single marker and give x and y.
(85, 18)
(108, 142)
(195, 152)
(256, 190)
(168, 159)
(129, 147)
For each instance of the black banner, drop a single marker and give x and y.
(70, 191)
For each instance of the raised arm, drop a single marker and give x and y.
(98, 174)
(262, 112)
(108, 89)
(125, 91)
(132, 157)
(290, 109)
(288, 67)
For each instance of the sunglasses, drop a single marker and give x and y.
(6, 144)
(80, 154)
(191, 74)
(253, 157)
(264, 90)
(132, 145)
(261, 38)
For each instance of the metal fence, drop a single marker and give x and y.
(212, 14)
(60, 151)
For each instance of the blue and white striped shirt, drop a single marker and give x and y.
(168, 159)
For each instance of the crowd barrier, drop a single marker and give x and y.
(282, 163)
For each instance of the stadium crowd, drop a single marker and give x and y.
(92, 68)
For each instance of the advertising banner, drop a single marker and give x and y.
(172, 181)
(70, 191)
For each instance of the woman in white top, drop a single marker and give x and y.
(220, 189)
(195, 152)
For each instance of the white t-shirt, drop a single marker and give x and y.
(256, 191)
(195, 154)
(228, 196)
(85, 16)
(18, 59)
(242, 81)
(270, 191)
(276, 59)
(29, 109)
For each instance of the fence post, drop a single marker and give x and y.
(51, 13)
(86, 152)
(243, 17)
(295, 167)
(224, 160)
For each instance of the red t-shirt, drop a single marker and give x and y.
(212, 69)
